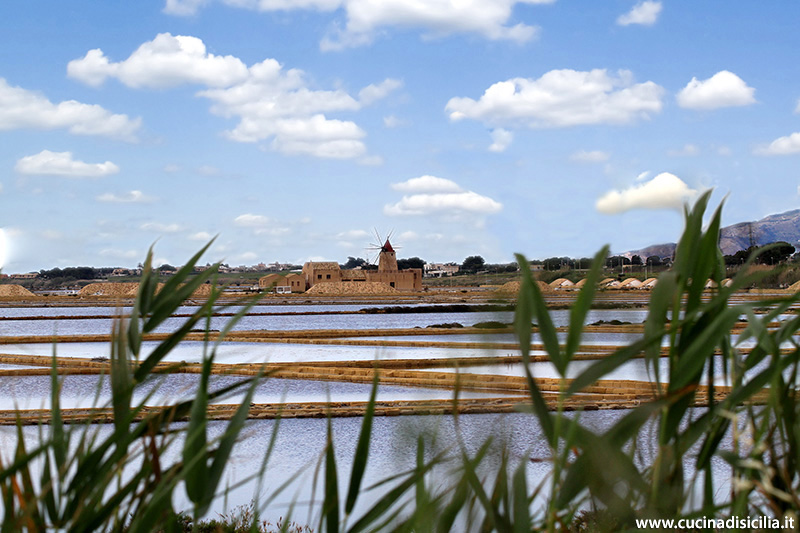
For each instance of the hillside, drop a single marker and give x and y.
(772, 228)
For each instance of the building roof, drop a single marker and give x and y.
(387, 247)
(324, 265)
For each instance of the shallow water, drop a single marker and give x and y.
(300, 443)
(81, 391)
(287, 322)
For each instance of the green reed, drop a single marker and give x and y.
(598, 481)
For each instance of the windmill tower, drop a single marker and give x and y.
(387, 258)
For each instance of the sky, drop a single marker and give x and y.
(295, 130)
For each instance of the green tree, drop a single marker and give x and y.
(412, 262)
(353, 262)
(473, 263)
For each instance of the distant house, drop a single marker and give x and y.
(281, 284)
(29, 275)
(437, 270)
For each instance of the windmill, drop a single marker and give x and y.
(385, 255)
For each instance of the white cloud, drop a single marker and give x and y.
(277, 104)
(665, 191)
(249, 220)
(561, 98)
(183, 7)
(488, 18)
(365, 19)
(797, 109)
(723, 89)
(371, 161)
(166, 61)
(271, 103)
(261, 225)
(172, 168)
(23, 109)
(590, 156)
(353, 234)
(643, 175)
(131, 197)
(439, 196)
(688, 150)
(501, 139)
(644, 13)
(787, 145)
(391, 121)
(374, 92)
(427, 184)
(724, 151)
(444, 203)
(158, 227)
(203, 236)
(47, 163)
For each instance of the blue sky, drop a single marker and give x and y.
(294, 129)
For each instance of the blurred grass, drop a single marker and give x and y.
(74, 479)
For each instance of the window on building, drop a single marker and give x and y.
(319, 276)
(327, 276)
(391, 283)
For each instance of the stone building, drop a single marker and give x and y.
(409, 279)
(293, 282)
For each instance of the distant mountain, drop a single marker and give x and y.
(772, 228)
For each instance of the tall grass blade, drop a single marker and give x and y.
(362, 449)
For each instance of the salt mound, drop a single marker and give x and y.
(512, 287)
(352, 287)
(121, 290)
(14, 291)
(203, 291)
(561, 282)
(794, 287)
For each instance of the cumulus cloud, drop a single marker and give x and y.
(131, 197)
(443, 197)
(723, 89)
(23, 109)
(488, 18)
(787, 145)
(561, 98)
(260, 224)
(501, 139)
(166, 61)
(590, 156)
(427, 184)
(644, 13)
(271, 103)
(47, 163)
(374, 92)
(665, 191)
